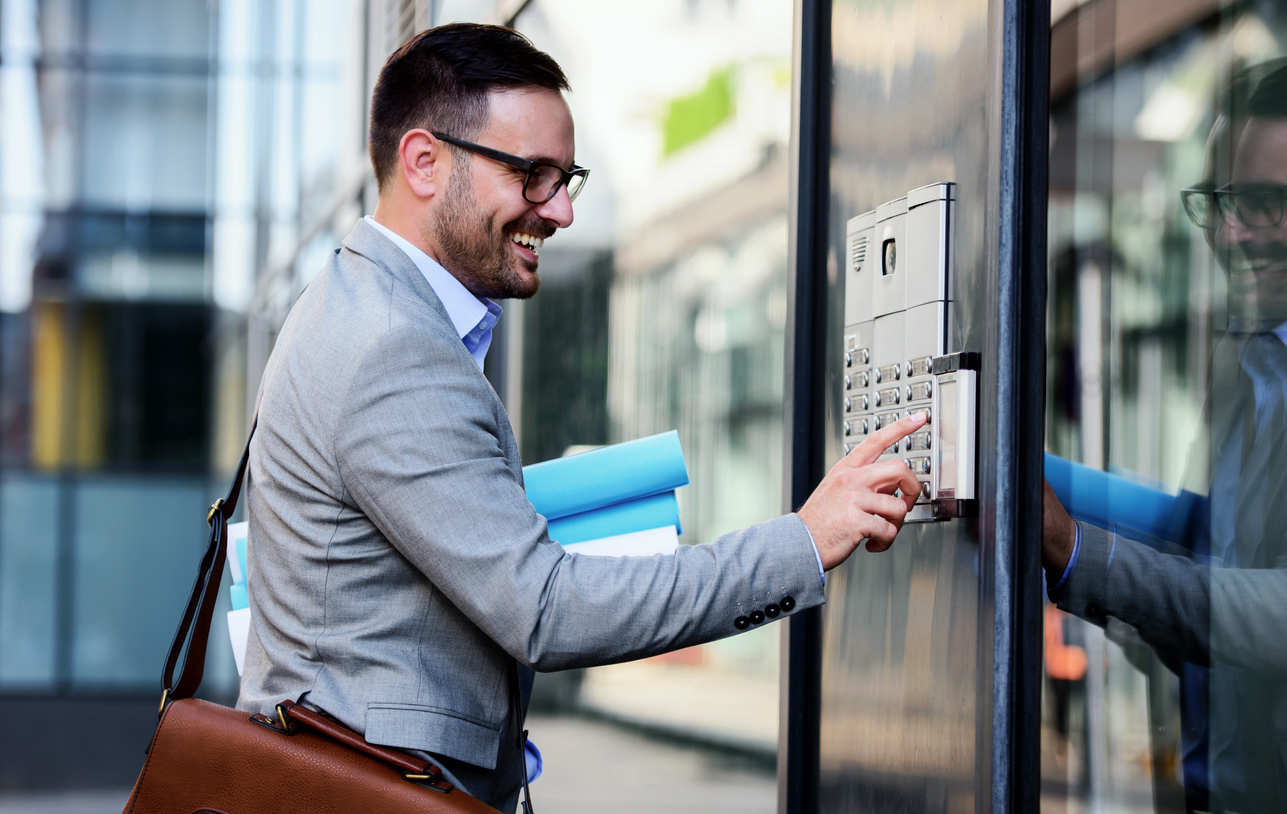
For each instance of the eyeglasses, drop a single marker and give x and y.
(543, 179)
(1258, 207)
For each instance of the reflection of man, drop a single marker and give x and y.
(1225, 606)
(397, 569)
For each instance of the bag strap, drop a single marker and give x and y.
(194, 627)
(516, 701)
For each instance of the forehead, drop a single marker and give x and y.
(1262, 152)
(531, 122)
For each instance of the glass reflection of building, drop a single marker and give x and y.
(158, 158)
(1137, 304)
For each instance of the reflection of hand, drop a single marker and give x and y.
(1058, 534)
(856, 499)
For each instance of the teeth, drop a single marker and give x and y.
(530, 241)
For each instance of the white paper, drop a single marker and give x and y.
(235, 532)
(635, 544)
(238, 630)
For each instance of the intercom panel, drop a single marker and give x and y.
(897, 358)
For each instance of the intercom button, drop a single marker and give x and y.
(864, 356)
(925, 489)
(849, 382)
(771, 610)
(849, 359)
(849, 428)
(920, 367)
(788, 604)
(741, 623)
(864, 379)
(757, 617)
(864, 403)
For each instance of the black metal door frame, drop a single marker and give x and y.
(1021, 125)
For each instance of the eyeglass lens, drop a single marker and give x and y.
(543, 182)
(1254, 208)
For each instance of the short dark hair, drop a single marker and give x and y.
(1269, 100)
(439, 81)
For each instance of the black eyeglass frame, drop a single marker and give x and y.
(528, 166)
(1225, 201)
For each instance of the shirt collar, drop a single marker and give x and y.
(1281, 332)
(468, 314)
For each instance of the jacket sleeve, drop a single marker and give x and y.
(419, 453)
(1234, 615)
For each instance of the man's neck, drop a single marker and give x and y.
(404, 226)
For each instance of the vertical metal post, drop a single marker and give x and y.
(806, 377)
(1021, 284)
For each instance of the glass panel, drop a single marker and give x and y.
(137, 546)
(177, 29)
(144, 141)
(28, 579)
(1164, 664)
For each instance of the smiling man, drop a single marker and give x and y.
(398, 574)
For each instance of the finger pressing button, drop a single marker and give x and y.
(787, 603)
(757, 617)
(741, 623)
(772, 610)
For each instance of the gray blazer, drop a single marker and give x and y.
(396, 566)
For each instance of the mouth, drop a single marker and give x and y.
(530, 243)
(1264, 265)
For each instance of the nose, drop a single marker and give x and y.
(557, 210)
(1232, 230)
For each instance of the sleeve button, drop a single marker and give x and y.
(741, 623)
(788, 604)
(757, 617)
(772, 611)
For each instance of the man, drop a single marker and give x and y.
(1217, 614)
(397, 569)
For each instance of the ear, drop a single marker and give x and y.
(424, 162)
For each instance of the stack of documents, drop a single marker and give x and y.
(239, 616)
(1114, 502)
(613, 501)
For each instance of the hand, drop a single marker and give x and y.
(856, 501)
(1058, 535)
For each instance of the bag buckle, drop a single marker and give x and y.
(214, 509)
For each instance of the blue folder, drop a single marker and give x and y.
(606, 476)
(649, 512)
(1106, 500)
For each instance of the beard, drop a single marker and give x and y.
(1257, 284)
(478, 253)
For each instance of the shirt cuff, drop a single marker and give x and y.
(821, 571)
(1072, 563)
(532, 757)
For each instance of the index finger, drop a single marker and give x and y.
(874, 445)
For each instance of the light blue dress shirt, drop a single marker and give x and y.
(473, 318)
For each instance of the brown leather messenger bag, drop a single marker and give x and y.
(209, 758)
